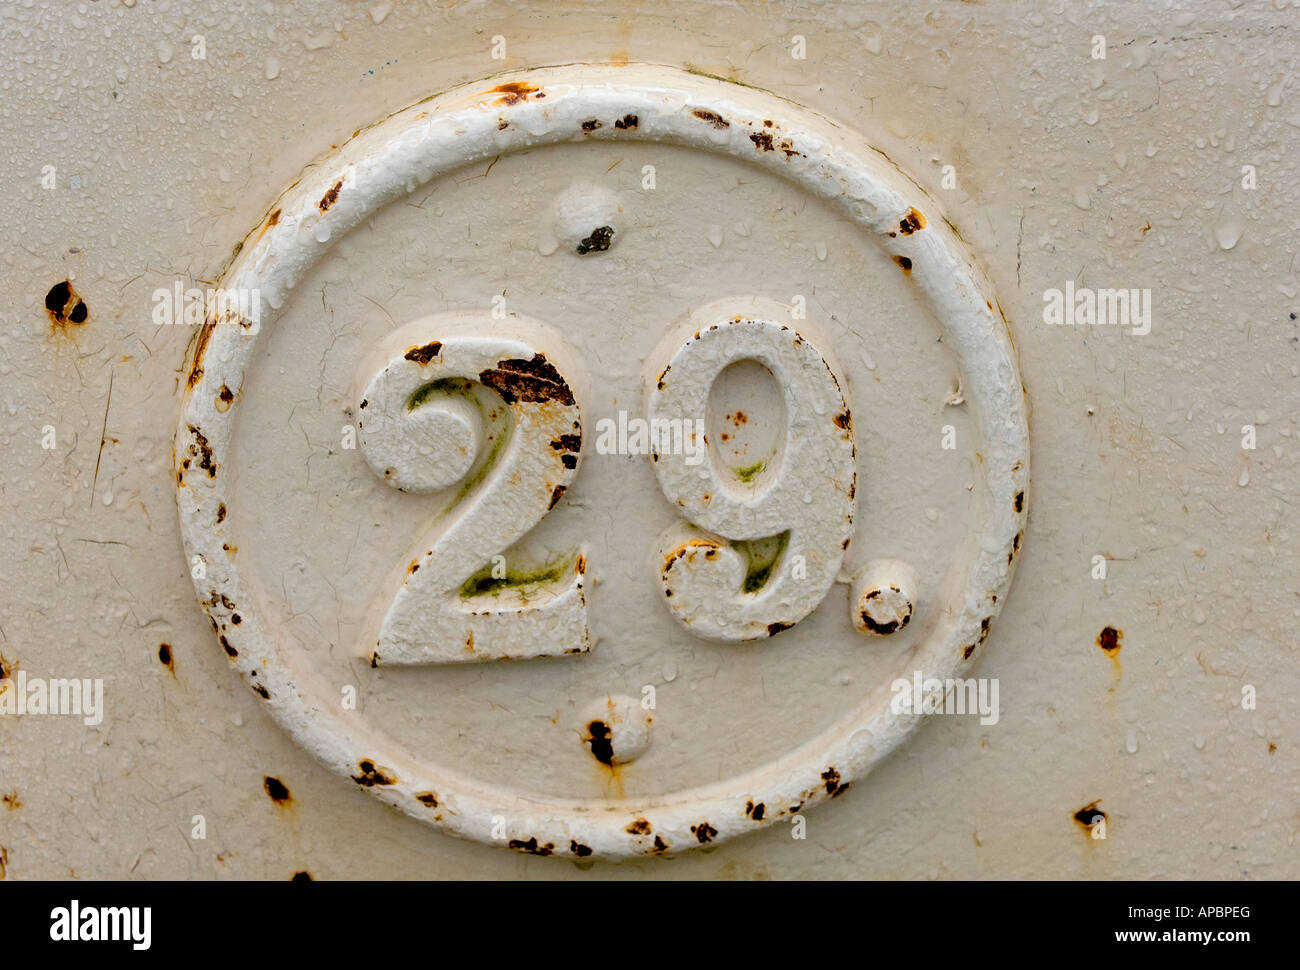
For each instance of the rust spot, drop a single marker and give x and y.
(660, 383)
(12, 801)
(590, 126)
(884, 629)
(580, 565)
(203, 451)
(578, 849)
(531, 846)
(330, 197)
(763, 141)
(275, 788)
(1110, 640)
(774, 628)
(224, 397)
(965, 654)
(660, 846)
(221, 513)
(911, 223)
(1020, 501)
(372, 775)
(165, 657)
(556, 495)
(712, 118)
(600, 239)
(844, 420)
(514, 92)
(533, 381)
(64, 305)
(4, 861)
(567, 442)
(1090, 815)
(756, 812)
(904, 262)
(273, 218)
(832, 779)
(225, 645)
(600, 738)
(301, 876)
(200, 348)
(1272, 748)
(427, 799)
(704, 832)
(626, 122)
(639, 827)
(422, 355)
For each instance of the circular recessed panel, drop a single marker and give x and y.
(646, 388)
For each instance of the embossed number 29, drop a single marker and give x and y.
(451, 407)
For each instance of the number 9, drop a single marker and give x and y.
(775, 531)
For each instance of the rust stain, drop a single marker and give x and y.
(422, 355)
(514, 92)
(578, 849)
(277, 791)
(626, 122)
(330, 197)
(712, 118)
(1110, 640)
(200, 348)
(905, 263)
(600, 738)
(833, 786)
(428, 799)
(556, 495)
(372, 775)
(533, 381)
(1089, 816)
(763, 141)
(639, 827)
(704, 832)
(12, 801)
(64, 306)
(601, 238)
(531, 846)
(911, 223)
(165, 657)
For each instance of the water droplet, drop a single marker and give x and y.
(1244, 480)
(821, 252)
(1131, 742)
(164, 52)
(1227, 233)
(715, 236)
(1081, 197)
(670, 671)
(272, 68)
(322, 232)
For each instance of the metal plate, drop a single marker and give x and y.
(490, 121)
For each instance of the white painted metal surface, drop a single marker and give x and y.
(498, 222)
